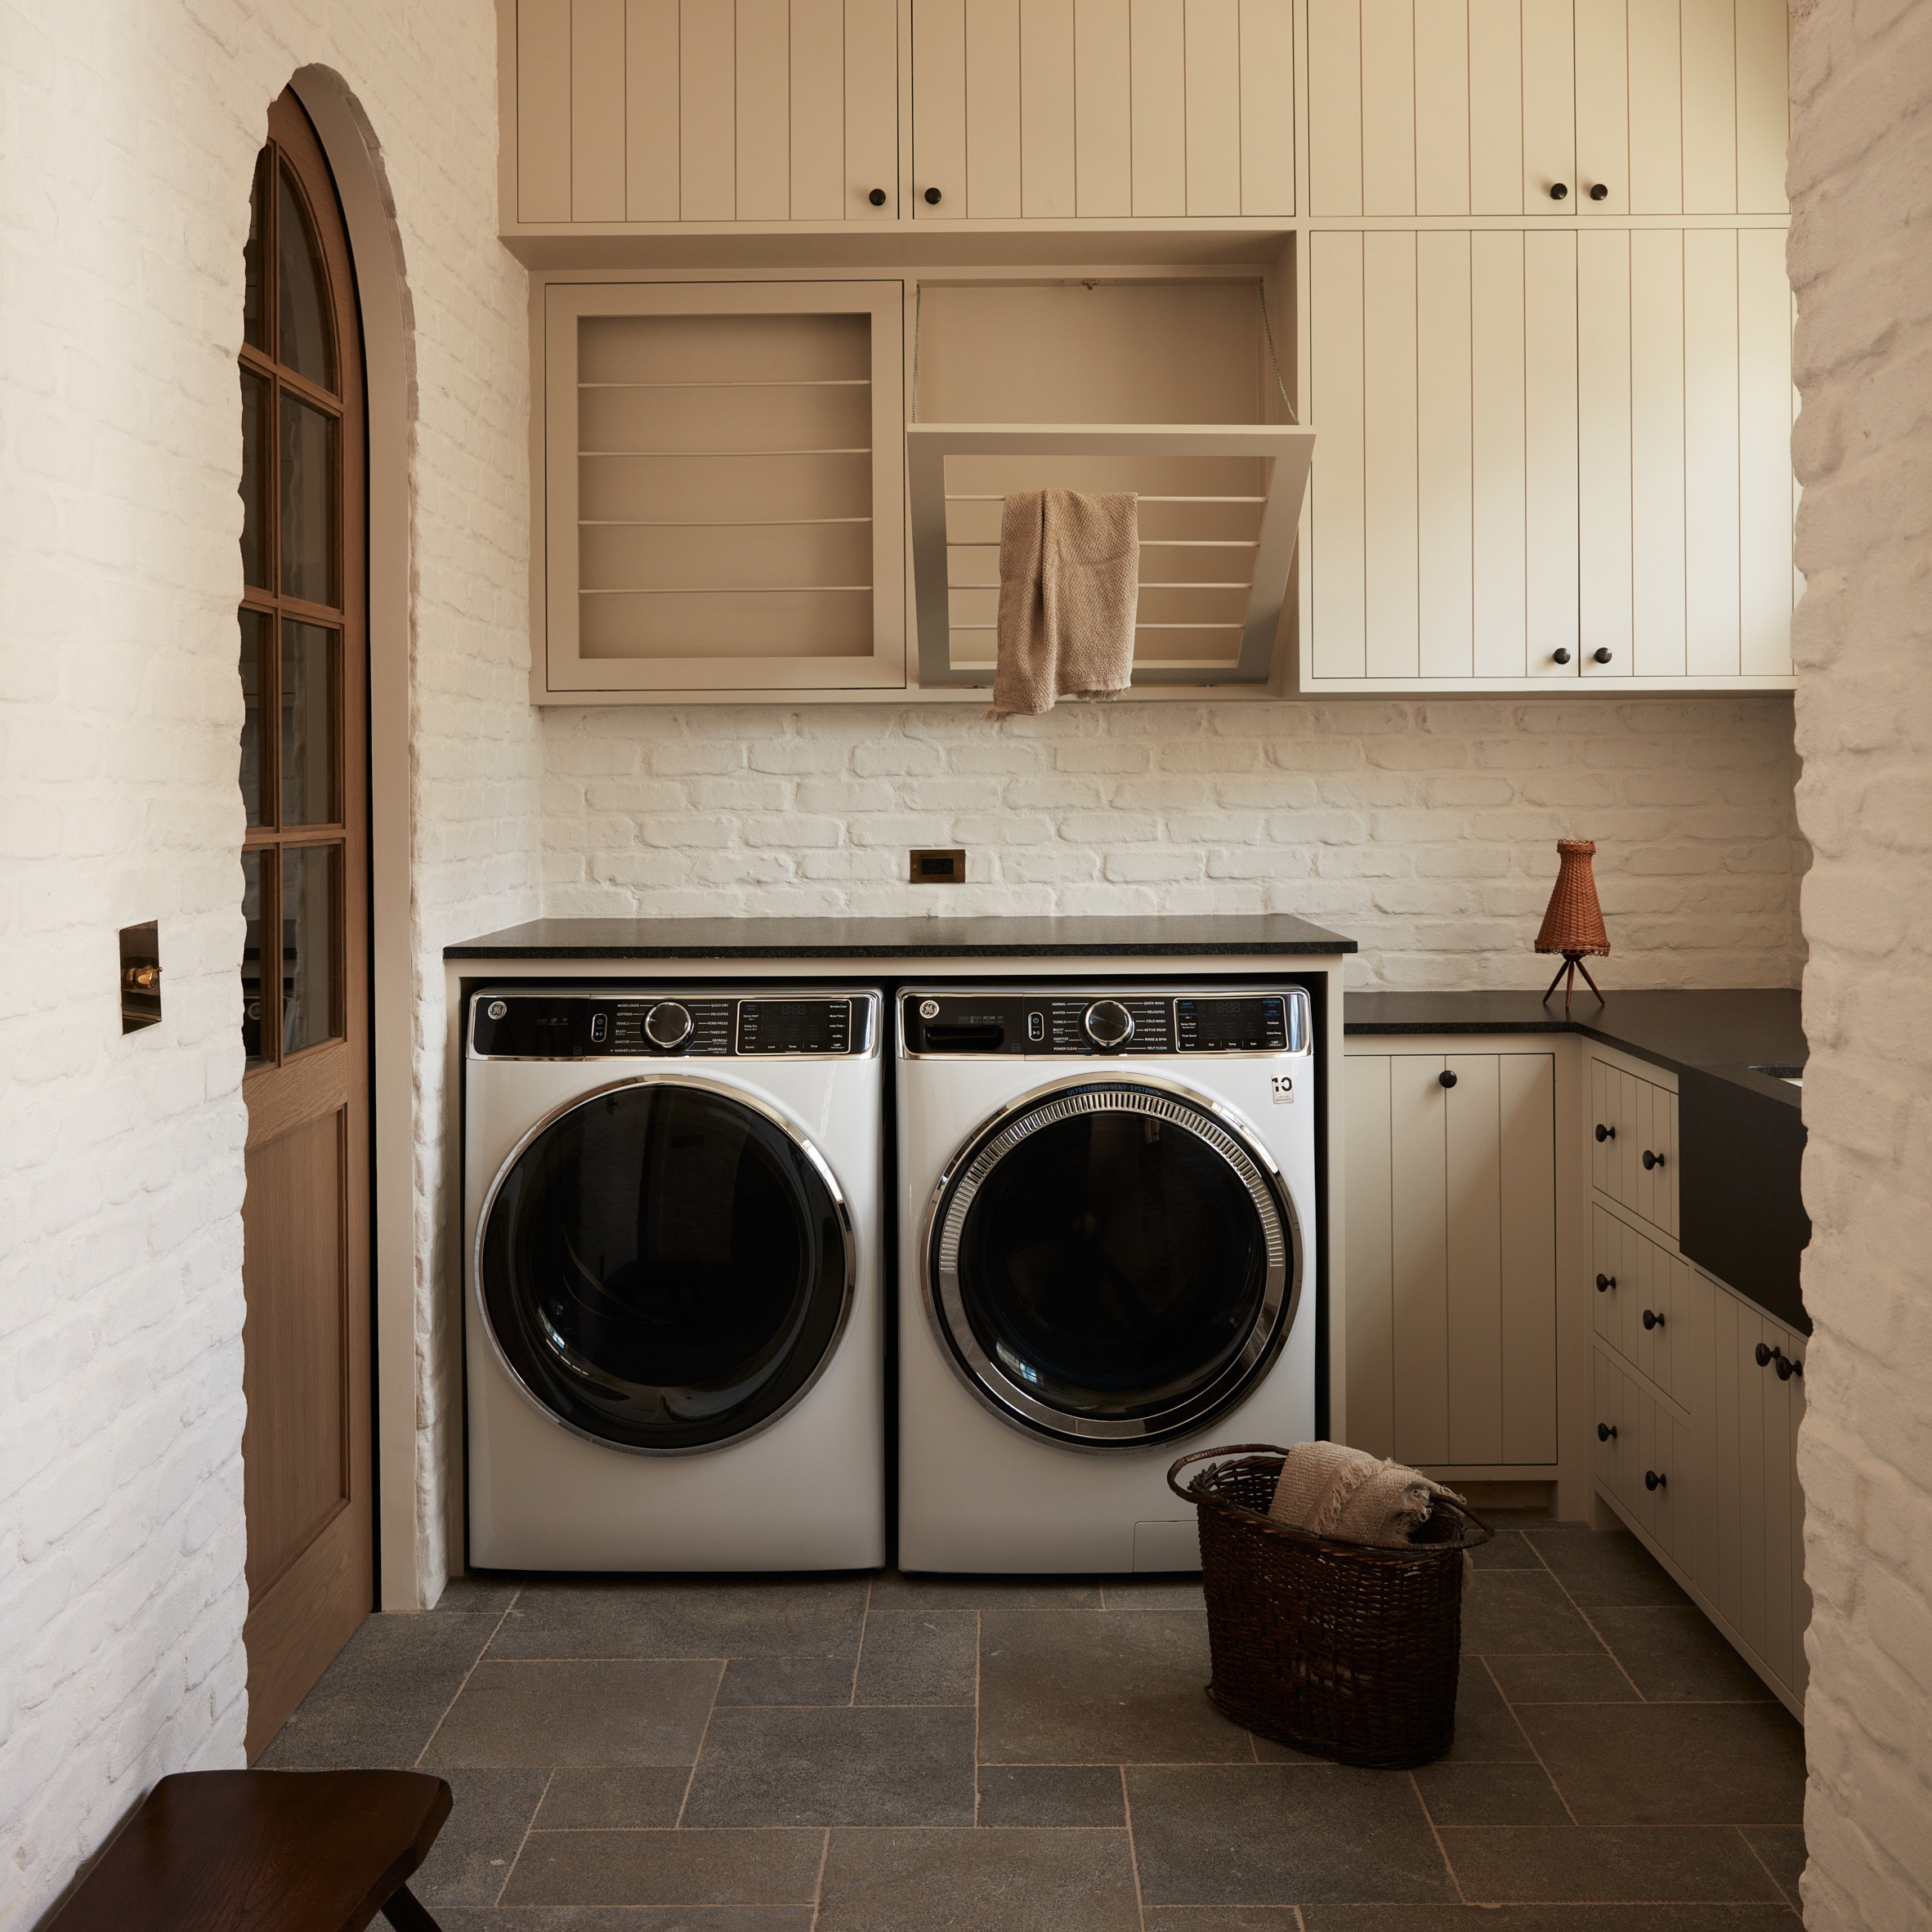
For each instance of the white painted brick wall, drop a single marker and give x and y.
(131, 133)
(1426, 831)
(1861, 257)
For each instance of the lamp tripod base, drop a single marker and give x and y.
(1567, 972)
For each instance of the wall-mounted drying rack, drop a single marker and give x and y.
(1219, 507)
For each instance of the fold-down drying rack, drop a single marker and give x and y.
(1219, 507)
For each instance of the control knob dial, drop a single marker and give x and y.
(668, 1024)
(1107, 1023)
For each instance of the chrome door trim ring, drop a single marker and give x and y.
(722, 1089)
(989, 1143)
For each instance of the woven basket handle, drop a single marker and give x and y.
(1209, 1455)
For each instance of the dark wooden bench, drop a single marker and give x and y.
(265, 1851)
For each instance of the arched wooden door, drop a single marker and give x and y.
(306, 1447)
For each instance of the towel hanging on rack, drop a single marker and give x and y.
(1069, 583)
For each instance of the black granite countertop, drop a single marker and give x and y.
(1728, 1033)
(901, 938)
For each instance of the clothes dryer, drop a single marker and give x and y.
(1106, 1257)
(672, 1324)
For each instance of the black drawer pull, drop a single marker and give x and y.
(1766, 1358)
(1601, 655)
(877, 197)
(1652, 1319)
(1559, 190)
(1606, 1432)
(1605, 1281)
(1559, 656)
(1446, 1078)
(1653, 1480)
(1761, 1355)
(1600, 192)
(1651, 1160)
(1605, 1133)
(933, 198)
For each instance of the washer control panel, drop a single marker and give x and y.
(1127, 1023)
(627, 1024)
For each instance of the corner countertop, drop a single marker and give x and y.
(901, 938)
(1728, 1033)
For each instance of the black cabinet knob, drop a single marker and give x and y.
(1605, 1133)
(1599, 192)
(1762, 1355)
(1653, 1479)
(1606, 1432)
(1601, 655)
(1651, 1160)
(1446, 1078)
(1560, 655)
(1605, 1282)
(932, 197)
(1786, 1368)
(1559, 190)
(877, 197)
(1652, 1319)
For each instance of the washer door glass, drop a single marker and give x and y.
(665, 1267)
(1113, 1264)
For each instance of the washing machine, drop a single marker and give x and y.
(672, 1324)
(1108, 1250)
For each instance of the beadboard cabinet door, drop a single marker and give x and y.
(706, 110)
(1452, 1247)
(1562, 108)
(1053, 110)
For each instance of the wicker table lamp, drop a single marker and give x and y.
(1573, 925)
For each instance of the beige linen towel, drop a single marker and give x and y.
(1352, 1497)
(1069, 579)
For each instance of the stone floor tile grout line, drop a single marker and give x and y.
(1442, 1850)
(1522, 1732)
(825, 1858)
(482, 1651)
(1570, 1596)
(522, 1843)
(684, 1803)
(1744, 1831)
(979, 1640)
(1140, 1904)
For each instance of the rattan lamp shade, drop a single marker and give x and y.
(1574, 923)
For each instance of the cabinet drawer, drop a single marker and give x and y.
(1644, 1304)
(1645, 1455)
(1633, 1148)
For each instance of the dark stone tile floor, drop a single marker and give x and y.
(895, 1754)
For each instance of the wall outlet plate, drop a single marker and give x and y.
(141, 977)
(939, 868)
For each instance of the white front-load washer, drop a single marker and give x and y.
(1106, 1257)
(672, 1327)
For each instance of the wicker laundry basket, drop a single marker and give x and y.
(1345, 1651)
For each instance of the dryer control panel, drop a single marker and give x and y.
(653, 1025)
(1128, 1022)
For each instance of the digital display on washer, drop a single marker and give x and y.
(1231, 1025)
(795, 1026)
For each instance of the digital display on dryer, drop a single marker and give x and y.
(795, 1026)
(1231, 1025)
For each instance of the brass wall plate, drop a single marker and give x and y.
(939, 868)
(141, 977)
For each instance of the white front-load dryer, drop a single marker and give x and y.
(672, 1329)
(1106, 1257)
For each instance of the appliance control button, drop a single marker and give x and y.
(668, 1024)
(600, 1028)
(1036, 1026)
(929, 1009)
(497, 1008)
(1108, 1023)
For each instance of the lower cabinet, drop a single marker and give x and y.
(1452, 1260)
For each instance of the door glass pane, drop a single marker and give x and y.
(311, 946)
(255, 263)
(308, 502)
(307, 344)
(254, 669)
(310, 655)
(254, 480)
(253, 983)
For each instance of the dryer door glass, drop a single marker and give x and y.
(665, 1267)
(1113, 1265)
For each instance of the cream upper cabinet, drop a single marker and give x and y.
(1562, 108)
(1548, 455)
(706, 110)
(1059, 109)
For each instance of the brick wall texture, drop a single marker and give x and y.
(1426, 831)
(1861, 179)
(130, 134)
